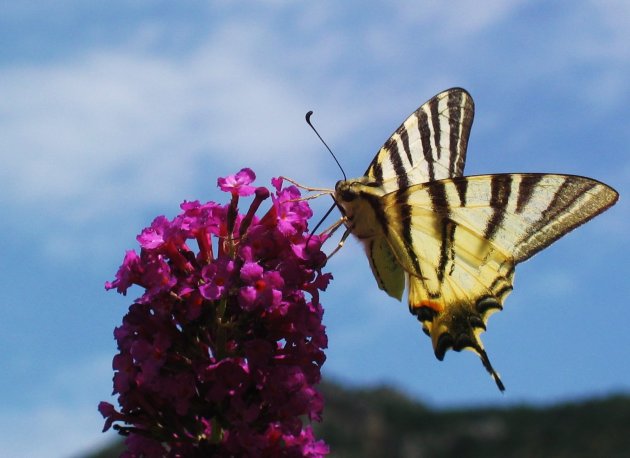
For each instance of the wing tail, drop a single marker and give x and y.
(458, 324)
(486, 363)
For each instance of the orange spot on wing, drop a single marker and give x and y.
(437, 306)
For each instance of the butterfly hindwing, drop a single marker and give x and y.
(388, 272)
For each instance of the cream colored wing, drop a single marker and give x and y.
(430, 145)
(387, 271)
(459, 240)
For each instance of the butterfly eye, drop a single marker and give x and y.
(345, 192)
(347, 195)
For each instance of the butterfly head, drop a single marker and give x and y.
(347, 191)
(360, 204)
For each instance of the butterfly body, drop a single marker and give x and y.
(454, 241)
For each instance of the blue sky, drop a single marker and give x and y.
(114, 112)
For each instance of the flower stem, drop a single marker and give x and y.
(221, 330)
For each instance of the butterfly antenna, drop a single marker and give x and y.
(308, 121)
(323, 219)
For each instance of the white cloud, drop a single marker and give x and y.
(53, 431)
(67, 421)
(553, 283)
(107, 133)
(613, 17)
(125, 118)
(459, 19)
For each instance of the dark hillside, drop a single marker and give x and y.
(381, 422)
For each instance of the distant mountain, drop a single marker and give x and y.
(381, 422)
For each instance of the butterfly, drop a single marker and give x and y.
(453, 241)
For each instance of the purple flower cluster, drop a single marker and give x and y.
(220, 354)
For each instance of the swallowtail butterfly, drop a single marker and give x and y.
(453, 241)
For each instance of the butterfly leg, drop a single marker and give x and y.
(341, 242)
(333, 228)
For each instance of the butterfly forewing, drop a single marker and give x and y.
(430, 145)
(518, 214)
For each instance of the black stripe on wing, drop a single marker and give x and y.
(460, 116)
(431, 143)
(440, 205)
(500, 189)
(526, 190)
(404, 216)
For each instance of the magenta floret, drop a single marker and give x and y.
(220, 354)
